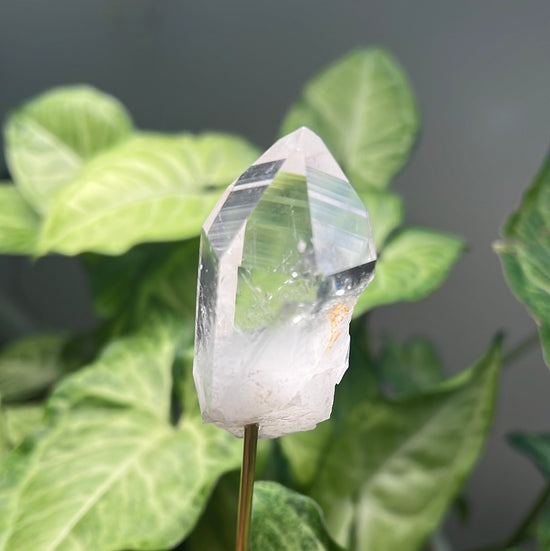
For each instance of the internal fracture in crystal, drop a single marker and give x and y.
(284, 256)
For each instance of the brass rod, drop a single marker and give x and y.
(247, 486)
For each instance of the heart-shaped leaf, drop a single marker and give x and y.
(385, 214)
(304, 450)
(51, 137)
(109, 471)
(413, 264)
(525, 253)
(411, 367)
(283, 520)
(149, 188)
(363, 108)
(18, 222)
(396, 466)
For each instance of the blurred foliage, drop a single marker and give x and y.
(101, 443)
(525, 253)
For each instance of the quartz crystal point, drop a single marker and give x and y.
(284, 256)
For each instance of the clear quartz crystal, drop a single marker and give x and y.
(284, 256)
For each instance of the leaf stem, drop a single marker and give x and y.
(522, 531)
(247, 486)
(525, 345)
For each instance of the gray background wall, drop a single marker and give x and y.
(482, 77)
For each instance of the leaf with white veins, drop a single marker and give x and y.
(52, 136)
(149, 188)
(363, 108)
(108, 471)
(283, 520)
(18, 222)
(525, 253)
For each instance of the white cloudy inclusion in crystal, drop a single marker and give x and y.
(284, 256)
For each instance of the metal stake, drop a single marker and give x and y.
(247, 486)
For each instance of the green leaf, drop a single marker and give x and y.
(173, 285)
(536, 447)
(409, 368)
(148, 278)
(543, 530)
(21, 422)
(525, 253)
(28, 367)
(4, 441)
(385, 214)
(304, 450)
(359, 382)
(413, 264)
(283, 520)
(396, 466)
(149, 275)
(115, 280)
(18, 222)
(109, 471)
(149, 188)
(184, 384)
(50, 137)
(122, 376)
(363, 108)
(215, 530)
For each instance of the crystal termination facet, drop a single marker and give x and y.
(284, 256)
